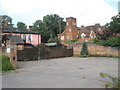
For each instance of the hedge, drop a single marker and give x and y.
(112, 42)
(6, 65)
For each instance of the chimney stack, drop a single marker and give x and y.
(97, 24)
(30, 28)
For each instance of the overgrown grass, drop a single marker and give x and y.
(115, 82)
(6, 65)
(96, 55)
(0, 63)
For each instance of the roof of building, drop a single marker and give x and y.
(16, 39)
(87, 29)
(16, 30)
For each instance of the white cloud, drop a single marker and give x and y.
(87, 12)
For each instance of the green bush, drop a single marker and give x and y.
(113, 42)
(84, 50)
(115, 82)
(96, 40)
(6, 65)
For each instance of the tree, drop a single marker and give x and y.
(6, 20)
(54, 23)
(40, 26)
(84, 50)
(114, 25)
(49, 27)
(21, 25)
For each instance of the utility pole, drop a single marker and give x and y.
(59, 22)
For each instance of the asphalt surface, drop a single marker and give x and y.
(61, 73)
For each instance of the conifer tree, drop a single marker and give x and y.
(84, 50)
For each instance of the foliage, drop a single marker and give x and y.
(113, 42)
(97, 55)
(0, 62)
(96, 40)
(114, 25)
(115, 81)
(6, 65)
(51, 40)
(84, 50)
(7, 21)
(34, 58)
(54, 23)
(49, 27)
(41, 27)
(21, 25)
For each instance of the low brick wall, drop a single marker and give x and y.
(97, 49)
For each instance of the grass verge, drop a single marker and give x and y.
(96, 55)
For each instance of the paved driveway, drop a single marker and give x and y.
(61, 73)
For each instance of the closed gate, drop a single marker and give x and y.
(42, 51)
(27, 52)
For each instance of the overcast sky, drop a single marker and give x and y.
(87, 12)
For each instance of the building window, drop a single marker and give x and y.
(24, 37)
(83, 35)
(62, 37)
(99, 29)
(29, 37)
(92, 34)
(67, 23)
(73, 23)
(68, 37)
(70, 30)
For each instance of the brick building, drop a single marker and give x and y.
(70, 32)
(83, 33)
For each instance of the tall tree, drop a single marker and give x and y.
(40, 26)
(6, 20)
(50, 26)
(21, 25)
(114, 25)
(84, 50)
(54, 23)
